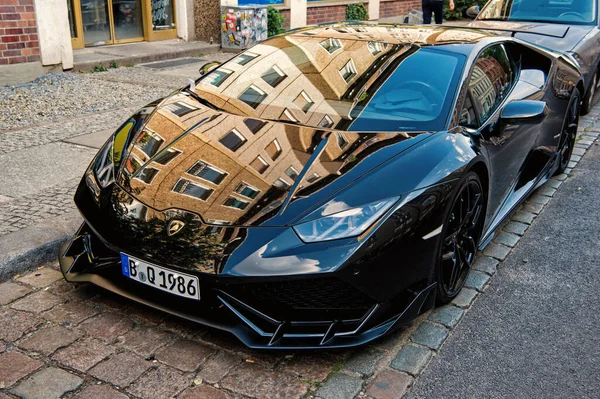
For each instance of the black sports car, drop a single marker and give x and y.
(568, 26)
(327, 185)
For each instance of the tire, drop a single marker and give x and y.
(458, 242)
(588, 100)
(569, 133)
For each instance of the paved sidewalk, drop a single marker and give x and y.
(534, 332)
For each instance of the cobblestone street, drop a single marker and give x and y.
(62, 340)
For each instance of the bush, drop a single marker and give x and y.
(460, 8)
(356, 12)
(274, 22)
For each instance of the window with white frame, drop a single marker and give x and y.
(326, 121)
(247, 190)
(207, 172)
(303, 101)
(274, 76)
(331, 45)
(342, 142)
(233, 140)
(233, 202)
(217, 77)
(273, 149)
(245, 58)
(259, 164)
(253, 96)
(186, 187)
(292, 173)
(348, 71)
(167, 156)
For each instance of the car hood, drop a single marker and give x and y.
(238, 170)
(554, 36)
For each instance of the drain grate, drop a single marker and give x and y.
(173, 63)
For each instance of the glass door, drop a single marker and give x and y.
(128, 21)
(96, 22)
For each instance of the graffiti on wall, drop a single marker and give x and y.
(243, 27)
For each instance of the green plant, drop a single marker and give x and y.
(274, 22)
(113, 64)
(99, 68)
(460, 8)
(356, 12)
(130, 65)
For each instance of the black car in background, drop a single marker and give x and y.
(562, 25)
(327, 185)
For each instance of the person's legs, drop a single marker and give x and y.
(426, 5)
(438, 10)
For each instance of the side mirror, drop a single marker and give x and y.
(524, 112)
(209, 66)
(473, 11)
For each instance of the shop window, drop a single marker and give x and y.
(303, 101)
(147, 175)
(259, 164)
(326, 122)
(254, 125)
(233, 140)
(166, 156)
(217, 77)
(247, 191)
(273, 149)
(245, 58)
(253, 96)
(348, 71)
(331, 45)
(342, 142)
(149, 143)
(233, 202)
(282, 184)
(292, 173)
(274, 76)
(186, 187)
(207, 172)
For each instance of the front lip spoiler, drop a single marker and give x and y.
(226, 318)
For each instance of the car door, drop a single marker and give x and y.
(491, 85)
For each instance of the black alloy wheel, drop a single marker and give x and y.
(461, 234)
(569, 133)
(588, 99)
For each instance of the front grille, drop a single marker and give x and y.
(322, 293)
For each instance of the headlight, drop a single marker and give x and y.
(348, 223)
(110, 155)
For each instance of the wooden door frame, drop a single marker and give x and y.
(149, 33)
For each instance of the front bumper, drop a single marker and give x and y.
(284, 313)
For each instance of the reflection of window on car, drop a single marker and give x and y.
(287, 116)
(348, 71)
(303, 101)
(273, 149)
(313, 178)
(254, 125)
(217, 77)
(186, 187)
(149, 143)
(147, 175)
(253, 96)
(326, 121)
(467, 114)
(166, 156)
(331, 45)
(207, 172)
(259, 164)
(233, 202)
(342, 142)
(376, 47)
(180, 109)
(233, 140)
(215, 229)
(245, 58)
(247, 191)
(274, 76)
(292, 173)
(490, 81)
(282, 184)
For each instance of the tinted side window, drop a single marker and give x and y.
(491, 79)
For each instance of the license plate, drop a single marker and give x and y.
(181, 284)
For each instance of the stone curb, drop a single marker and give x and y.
(27, 248)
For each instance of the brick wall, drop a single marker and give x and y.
(335, 13)
(18, 32)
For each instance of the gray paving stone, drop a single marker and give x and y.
(578, 151)
(561, 177)
(340, 386)
(411, 359)
(533, 207)
(49, 383)
(568, 171)
(465, 298)
(10, 291)
(524, 217)
(364, 360)
(486, 264)
(447, 315)
(576, 158)
(497, 251)
(508, 239)
(477, 280)
(571, 165)
(546, 190)
(429, 335)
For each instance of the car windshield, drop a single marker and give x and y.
(417, 95)
(343, 84)
(563, 11)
